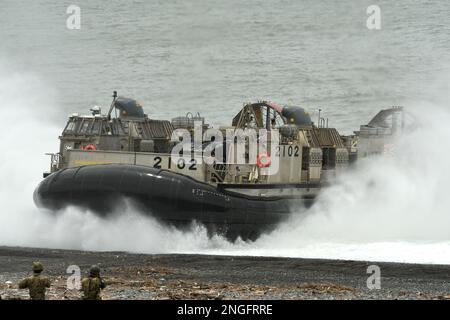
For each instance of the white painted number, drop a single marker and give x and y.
(73, 21)
(374, 281)
(74, 280)
(374, 20)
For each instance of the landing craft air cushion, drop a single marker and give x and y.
(105, 160)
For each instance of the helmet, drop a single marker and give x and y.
(95, 271)
(37, 266)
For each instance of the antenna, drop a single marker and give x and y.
(318, 120)
(112, 104)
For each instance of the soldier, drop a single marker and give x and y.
(92, 285)
(36, 283)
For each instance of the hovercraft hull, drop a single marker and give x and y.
(169, 197)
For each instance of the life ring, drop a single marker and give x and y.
(263, 160)
(90, 147)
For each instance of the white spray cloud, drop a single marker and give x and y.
(393, 208)
(26, 135)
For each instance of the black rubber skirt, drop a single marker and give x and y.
(169, 197)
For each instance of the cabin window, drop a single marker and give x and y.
(305, 158)
(84, 127)
(117, 128)
(106, 130)
(113, 128)
(137, 145)
(328, 158)
(70, 127)
(96, 127)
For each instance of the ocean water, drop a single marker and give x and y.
(211, 57)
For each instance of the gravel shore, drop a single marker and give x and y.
(181, 276)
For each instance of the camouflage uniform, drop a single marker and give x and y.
(37, 283)
(92, 285)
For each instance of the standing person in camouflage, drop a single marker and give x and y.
(36, 283)
(92, 285)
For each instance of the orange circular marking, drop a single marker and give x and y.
(90, 147)
(263, 160)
